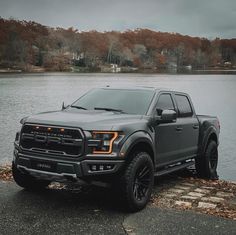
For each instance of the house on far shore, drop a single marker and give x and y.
(110, 68)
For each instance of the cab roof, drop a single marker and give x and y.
(134, 88)
(147, 88)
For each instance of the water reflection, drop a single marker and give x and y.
(25, 94)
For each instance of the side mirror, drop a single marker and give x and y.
(167, 116)
(64, 106)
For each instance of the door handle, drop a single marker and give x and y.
(178, 128)
(195, 126)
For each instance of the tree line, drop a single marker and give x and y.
(27, 45)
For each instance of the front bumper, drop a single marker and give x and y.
(60, 170)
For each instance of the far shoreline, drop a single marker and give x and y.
(191, 72)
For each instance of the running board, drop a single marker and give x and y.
(174, 168)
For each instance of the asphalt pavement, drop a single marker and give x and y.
(169, 222)
(58, 212)
(94, 211)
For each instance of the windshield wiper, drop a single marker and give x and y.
(109, 109)
(78, 107)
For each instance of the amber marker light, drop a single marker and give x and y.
(62, 130)
(37, 127)
(110, 141)
(49, 128)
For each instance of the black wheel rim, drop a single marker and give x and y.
(213, 158)
(142, 182)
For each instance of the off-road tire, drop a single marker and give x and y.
(27, 181)
(206, 164)
(137, 181)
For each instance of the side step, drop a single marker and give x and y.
(174, 168)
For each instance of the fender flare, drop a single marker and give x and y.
(203, 144)
(136, 138)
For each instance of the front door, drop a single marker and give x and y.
(167, 135)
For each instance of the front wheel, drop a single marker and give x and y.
(27, 181)
(137, 182)
(206, 164)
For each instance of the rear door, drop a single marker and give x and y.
(188, 126)
(167, 138)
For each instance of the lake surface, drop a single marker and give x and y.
(24, 94)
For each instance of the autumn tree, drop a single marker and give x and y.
(27, 43)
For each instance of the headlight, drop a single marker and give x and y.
(107, 138)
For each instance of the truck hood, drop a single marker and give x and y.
(85, 119)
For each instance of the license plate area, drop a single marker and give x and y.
(44, 165)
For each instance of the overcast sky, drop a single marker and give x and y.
(204, 18)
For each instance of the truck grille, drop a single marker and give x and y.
(52, 140)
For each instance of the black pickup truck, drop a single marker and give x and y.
(121, 136)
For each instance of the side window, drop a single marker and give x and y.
(184, 106)
(164, 102)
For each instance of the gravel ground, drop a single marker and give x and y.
(216, 197)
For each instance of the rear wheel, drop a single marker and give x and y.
(137, 182)
(206, 165)
(27, 181)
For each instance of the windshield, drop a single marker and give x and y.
(127, 101)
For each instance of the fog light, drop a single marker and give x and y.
(93, 167)
(102, 167)
(108, 167)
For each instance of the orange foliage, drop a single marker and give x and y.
(31, 43)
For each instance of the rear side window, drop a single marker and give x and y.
(184, 106)
(164, 102)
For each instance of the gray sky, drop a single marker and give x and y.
(204, 18)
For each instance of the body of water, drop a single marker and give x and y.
(24, 94)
